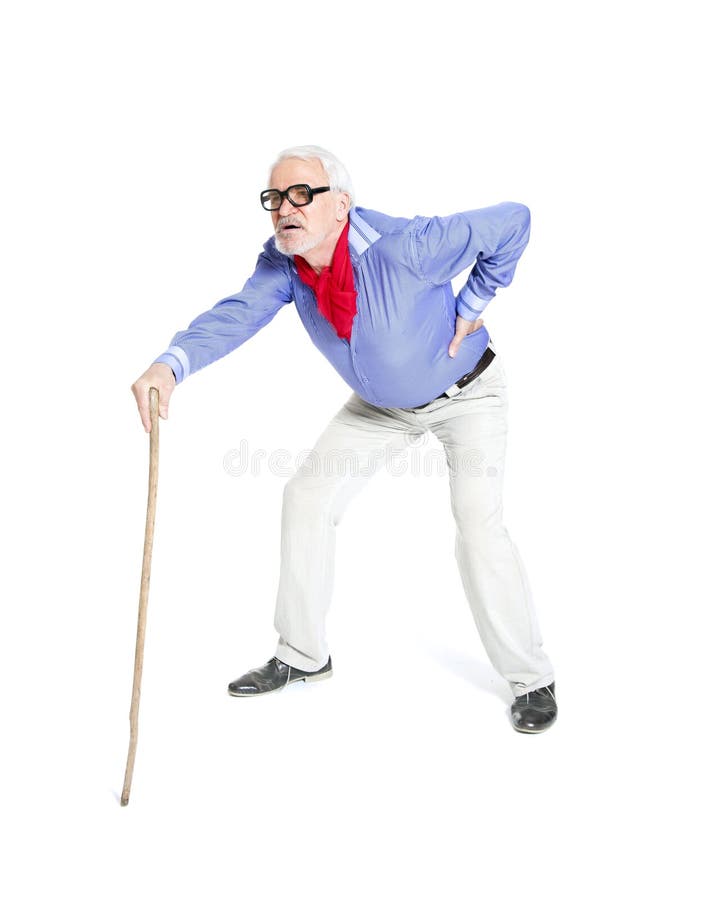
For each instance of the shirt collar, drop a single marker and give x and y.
(361, 235)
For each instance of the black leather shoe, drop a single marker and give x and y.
(535, 711)
(273, 676)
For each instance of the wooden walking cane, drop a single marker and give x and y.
(144, 591)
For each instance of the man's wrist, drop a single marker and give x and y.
(177, 360)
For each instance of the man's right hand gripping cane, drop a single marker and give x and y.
(159, 376)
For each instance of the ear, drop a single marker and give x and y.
(343, 205)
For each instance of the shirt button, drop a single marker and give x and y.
(364, 380)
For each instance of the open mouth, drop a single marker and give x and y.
(285, 227)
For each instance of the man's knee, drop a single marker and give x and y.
(476, 520)
(302, 490)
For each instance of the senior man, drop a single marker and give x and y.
(374, 294)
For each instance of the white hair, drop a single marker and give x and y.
(337, 174)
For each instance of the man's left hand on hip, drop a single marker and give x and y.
(462, 327)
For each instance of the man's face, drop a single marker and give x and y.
(300, 229)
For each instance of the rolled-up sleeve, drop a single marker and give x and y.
(490, 239)
(232, 321)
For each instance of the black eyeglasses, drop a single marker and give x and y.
(297, 194)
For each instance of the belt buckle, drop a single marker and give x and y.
(453, 390)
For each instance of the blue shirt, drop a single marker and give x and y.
(398, 352)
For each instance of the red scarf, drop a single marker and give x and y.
(334, 287)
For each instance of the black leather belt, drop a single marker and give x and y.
(484, 361)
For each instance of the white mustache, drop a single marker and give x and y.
(287, 220)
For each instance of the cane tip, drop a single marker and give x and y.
(124, 800)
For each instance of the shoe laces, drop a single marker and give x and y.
(545, 688)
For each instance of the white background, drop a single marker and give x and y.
(136, 139)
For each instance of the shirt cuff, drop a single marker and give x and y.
(469, 305)
(177, 359)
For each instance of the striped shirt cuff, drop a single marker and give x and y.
(177, 359)
(469, 305)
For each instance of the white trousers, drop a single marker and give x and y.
(472, 427)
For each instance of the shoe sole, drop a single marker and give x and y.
(534, 730)
(320, 676)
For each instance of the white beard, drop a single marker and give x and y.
(283, 241)
(283, 245)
